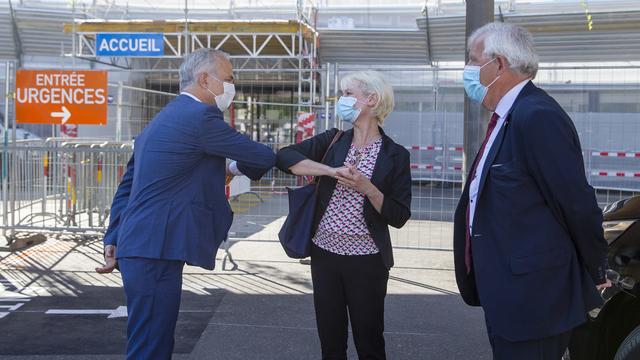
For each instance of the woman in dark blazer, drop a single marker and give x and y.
(365, 187)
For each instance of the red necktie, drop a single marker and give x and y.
(467, 245)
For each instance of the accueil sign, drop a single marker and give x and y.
(130, 44)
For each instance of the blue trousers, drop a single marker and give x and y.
(153, 290)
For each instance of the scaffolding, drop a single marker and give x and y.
(67, 185)
(269, 45)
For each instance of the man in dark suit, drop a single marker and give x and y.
(170, 208)
(528, 239)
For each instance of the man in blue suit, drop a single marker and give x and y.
(170, 208)
(528, 239)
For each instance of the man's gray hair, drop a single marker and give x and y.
(197, 62)
(513, 42)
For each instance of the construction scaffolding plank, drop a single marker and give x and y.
(269, 39)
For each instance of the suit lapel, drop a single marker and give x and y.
(529, 88)
(493, 152)
(383, 163)
(340, 149)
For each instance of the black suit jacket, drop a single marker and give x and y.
(538, 245)
(391, 175)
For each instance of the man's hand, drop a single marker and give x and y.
(604, 285)
(110, 261)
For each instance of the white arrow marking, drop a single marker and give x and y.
(12, 308)
(79, 312)
(17, 305)
(65, 114)
(120, 311)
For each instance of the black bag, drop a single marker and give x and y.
(295, 235)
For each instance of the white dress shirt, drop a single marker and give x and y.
(502, 110)
(233, 165)
(191, 96)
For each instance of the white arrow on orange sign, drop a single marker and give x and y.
(65, 114)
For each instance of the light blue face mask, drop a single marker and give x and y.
(346, 110)
(472, 85)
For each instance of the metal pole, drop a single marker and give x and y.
(327, 95)
(299, 55)
(479, 13)
(292, 130)
(75, 34)
(14, 163)
(250, 115)
(12, 195)
(186, 28)
(258, 116)
(119, 113)
(45, 180)
(336, 94)
(313, 73)
(5, 157)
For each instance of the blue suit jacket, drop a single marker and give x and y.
(538, 247)
(171, 203)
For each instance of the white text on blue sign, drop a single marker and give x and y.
(126, 44)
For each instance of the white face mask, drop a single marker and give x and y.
(224, 100)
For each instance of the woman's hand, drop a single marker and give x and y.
(349, 176)
(334, 172)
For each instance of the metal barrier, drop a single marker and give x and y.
(61, 185)
(68, 184)
(428, 121)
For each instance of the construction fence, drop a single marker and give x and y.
(56, 184)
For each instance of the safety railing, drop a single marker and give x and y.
(61, 185)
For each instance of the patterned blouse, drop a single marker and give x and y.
(343, 230)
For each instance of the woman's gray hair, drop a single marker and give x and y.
(513, 42)
(197, 62)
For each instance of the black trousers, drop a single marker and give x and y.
(349, 288)
(549, 348)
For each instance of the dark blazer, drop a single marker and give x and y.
(538, 245)
(391, 175)
(171, 202)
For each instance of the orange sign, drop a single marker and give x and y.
(61, 97)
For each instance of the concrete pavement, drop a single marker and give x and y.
(261, 310)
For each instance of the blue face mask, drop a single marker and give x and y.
(472, 85)
(346, 110)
